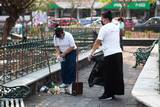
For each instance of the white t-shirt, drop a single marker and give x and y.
(109, 35)
(66, 42)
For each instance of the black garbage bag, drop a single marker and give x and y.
(95, 77)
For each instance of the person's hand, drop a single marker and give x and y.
(63, 55)
(90, 57)
(59, 59)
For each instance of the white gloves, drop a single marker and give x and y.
(90, 57)
(59, 59)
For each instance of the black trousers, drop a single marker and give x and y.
(68, 68)
(113, 74)
(121, 42)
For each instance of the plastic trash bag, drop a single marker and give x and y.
(95, 77)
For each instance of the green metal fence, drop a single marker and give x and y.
(84, 37)
(21, 58)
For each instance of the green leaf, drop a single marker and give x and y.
(152, 1)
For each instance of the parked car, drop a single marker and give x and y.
(88, 20)
(96, 23)
(85, 21)
(153, 24)
(53, 22)
(68, 21)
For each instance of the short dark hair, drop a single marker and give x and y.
(107, 14)
(58, 31)
(120, 19)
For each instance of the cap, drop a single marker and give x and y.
(58, 31)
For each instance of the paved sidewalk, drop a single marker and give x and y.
(90, 95)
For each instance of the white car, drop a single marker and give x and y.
(96, 23)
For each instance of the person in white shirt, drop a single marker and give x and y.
(122, 31)
(66, 54)
(112, 72)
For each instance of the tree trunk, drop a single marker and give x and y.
(10, 22)
(92, 8)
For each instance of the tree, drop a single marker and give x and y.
(106, 1)
(74, 4)
(38, 5)
(124, 8)
(153, 7)
(41, 5)
(152, 1)
(123, 3)
(92, 8)
(14, 8)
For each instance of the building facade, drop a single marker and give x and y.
(75, 8)
(86, 8)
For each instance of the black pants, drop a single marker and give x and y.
(113, 75)
(68, 68)
(121, 42)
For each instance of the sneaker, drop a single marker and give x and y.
(106, 97)
(63, 85)
(69, 89)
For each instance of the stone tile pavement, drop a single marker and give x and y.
(90, 95)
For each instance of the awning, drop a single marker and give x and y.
(130, 5)
(113, 5)
(53, 6)
(139, 5)
(82, 5)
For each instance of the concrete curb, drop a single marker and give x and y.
(146, 87)
(36, 79)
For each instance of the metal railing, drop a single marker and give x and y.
(19, 59)
(24, 57)
(159, 62)
(84, 37)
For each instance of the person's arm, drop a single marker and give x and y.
(58, 52)
(68, 50)
(98, 42)
(95, 46)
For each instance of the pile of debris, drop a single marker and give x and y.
(55, 89)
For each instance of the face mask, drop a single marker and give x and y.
(102, 22)
(59, 35)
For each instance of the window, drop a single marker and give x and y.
(153, 21)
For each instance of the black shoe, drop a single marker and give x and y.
(113, 97)
(106, 97)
